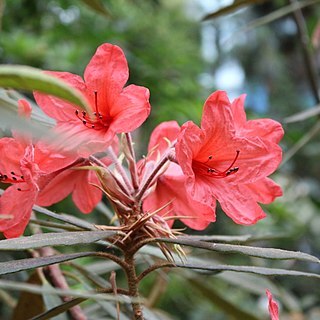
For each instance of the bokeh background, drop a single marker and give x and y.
(182, 51)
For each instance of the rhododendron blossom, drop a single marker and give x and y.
(170, 192)
(229, 159)
(29, 168)
(114, 109)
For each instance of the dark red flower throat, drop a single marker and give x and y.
(96, 120)
(204, 168)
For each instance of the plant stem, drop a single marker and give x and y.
(133, 286)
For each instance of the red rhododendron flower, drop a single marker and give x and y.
(229, 159)
(114, 108)
(272, 306)
(29, 168)
(170, 192)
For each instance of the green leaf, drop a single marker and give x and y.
(53, 312)
(218, 299)
(249, 269)
(18, 286)
(237, 4)
(301, 116)
(97, 6)
(31, 263)
(267, 253)
(54, 239)
(32, 79)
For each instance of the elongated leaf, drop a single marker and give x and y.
(249, 269)
(59, 309)
(301, 116)
(32, 79)
(219, 299)
(98, 6)
(54, 239)
(268, 253)
(66, 218)
(26, 264)
(18, 286)
(237, 4)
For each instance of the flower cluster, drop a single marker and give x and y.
(186, 171)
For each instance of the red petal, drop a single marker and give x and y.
(236, 203)
(20, 210)
(217, 120)
(264, 190)
(57, 108)
(171, 191)
(107, 73)
(85, 195)
(130, 109)
(12, 151)
(272, 306)
(160, 137)
(81, 140)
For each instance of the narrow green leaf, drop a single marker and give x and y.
(218, 299)
(267, 253)
(237, 4)
(301, 116)
(66, 218)
(19, 286)
(249, 269)
(54, 239)
(53, 312)
(32, 79)
(97, 6)
(31, 263)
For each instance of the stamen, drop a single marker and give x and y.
(205, 169)
(94, 120)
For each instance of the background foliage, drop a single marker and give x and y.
(261, 49)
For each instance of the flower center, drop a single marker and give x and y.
(205, 169)
(97, 120)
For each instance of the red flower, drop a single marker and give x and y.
(170, 191)
(273, 307)
(229, 158)
(29, 168)
(114, 109)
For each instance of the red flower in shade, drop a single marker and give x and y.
(114, 109)
(170, 192)
(229, 158)
(272, 306)
(29, 168)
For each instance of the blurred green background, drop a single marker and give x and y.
(263, 50)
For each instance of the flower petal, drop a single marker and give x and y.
(85, 195)
(19, 210)
(57, 108)
(107, 73)
(236, 203)
(130, 109)
(272, 306)
(171, 193)
(264, 190)
(161, 136)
